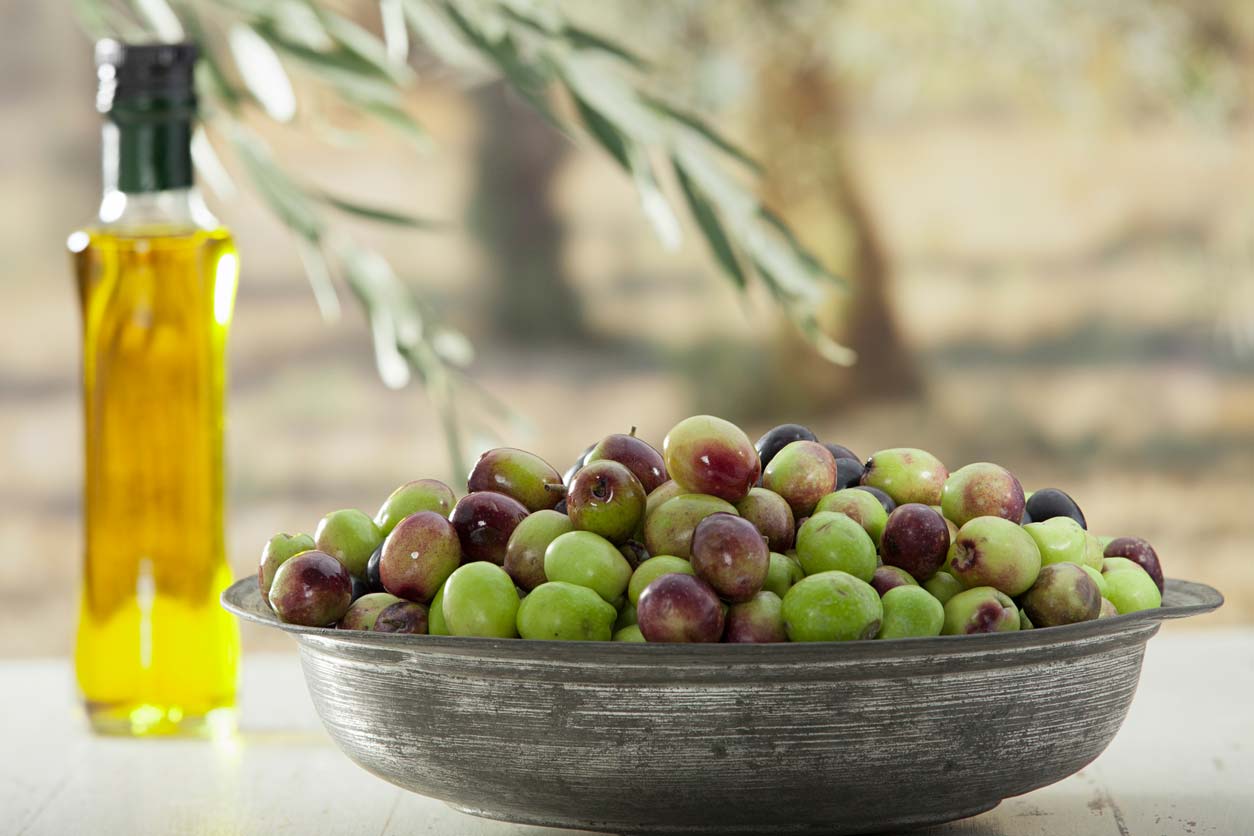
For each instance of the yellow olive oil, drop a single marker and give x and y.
(156, 652)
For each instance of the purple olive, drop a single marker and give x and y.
(402, 617)
(887, 501)
(419, 555)
(777, 438)
(840, 451)
(1139, 552)
(1064, 593)
(756, 621)
(383, 612)
(772, 516)
(890, 577)
(680, 608)
(730, 554)
(484, 521)
(312, 589)
(578, 463)
(669, 529)
(372, 569)
(916, 539)
(518, 474)
(637, 455)
(1048, 503)
(279, 549)
(711, 456)
(848, 473)
(363, 612)
(635, 552)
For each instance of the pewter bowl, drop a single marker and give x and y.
(829, 738)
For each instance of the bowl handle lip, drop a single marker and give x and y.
(1198, 598)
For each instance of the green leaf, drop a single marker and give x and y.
(365, 89)
(530, 81)
(257, 9)
(601, 85)
(318, 272)
(707, 218)
(575, 37)
(159, 19)
(372, 281)
(654, 203)
(543, 15)
(603, 131)
(498, 408)
(338, 57)
(585, 39)
(828, 348)
(375, 213)
(298, 22)
(395, 32)
(282, 195)
(211, 78)
(805, 256)
(209, 166)
(93, 18)
(795, 276)
(402, 121)
(804, 321)
(102, 20)
(695, 123)
(357, 89)
(363, 44)
(442, 36)
(263, 73)
(440, 389)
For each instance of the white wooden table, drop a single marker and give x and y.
(1183, 764)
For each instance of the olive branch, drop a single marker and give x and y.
(585, 84)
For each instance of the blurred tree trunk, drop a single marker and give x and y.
(512, 212)
(811, 181)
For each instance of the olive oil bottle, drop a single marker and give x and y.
(156, 273)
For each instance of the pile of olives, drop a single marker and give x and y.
(713, 539)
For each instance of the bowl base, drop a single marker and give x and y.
(883, 826)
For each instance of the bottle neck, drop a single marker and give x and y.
(148, 155)
(148, 177)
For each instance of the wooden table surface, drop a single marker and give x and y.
(1182, 764)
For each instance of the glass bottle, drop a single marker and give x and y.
(156, 273)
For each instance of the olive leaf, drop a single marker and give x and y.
(604, 132)
(707, 218)
(375, 213)
(276, 188)
(693, 123)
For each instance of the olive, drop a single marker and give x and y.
(1051, 502)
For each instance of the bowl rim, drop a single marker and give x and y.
(1182, 599)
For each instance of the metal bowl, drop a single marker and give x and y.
(828, 738)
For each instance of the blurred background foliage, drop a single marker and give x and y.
(1043, 209)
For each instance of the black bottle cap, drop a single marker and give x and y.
(143, 74)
